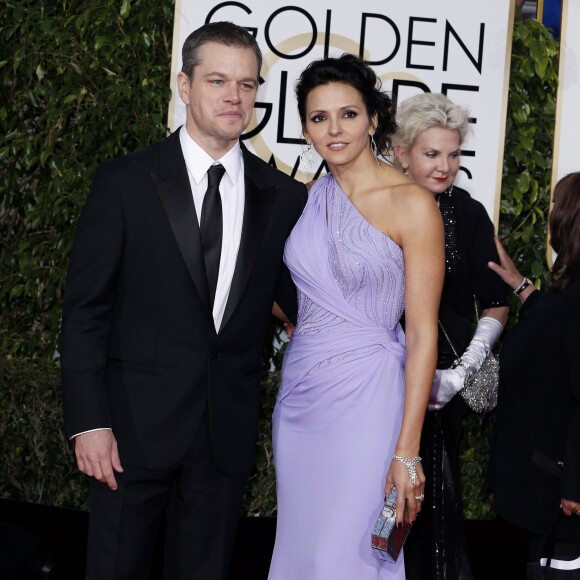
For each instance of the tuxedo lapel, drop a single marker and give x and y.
(257, 208)
(174, 190)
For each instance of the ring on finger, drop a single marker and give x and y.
(420, 497)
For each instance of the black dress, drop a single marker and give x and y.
(536, 451)
(436, 549)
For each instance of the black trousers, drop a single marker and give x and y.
(200, 505)
(563, 550)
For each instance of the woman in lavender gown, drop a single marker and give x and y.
(348, 418)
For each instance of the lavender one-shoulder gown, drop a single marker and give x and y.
(338, 413)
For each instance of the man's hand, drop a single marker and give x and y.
(570, 507)
(97, 455)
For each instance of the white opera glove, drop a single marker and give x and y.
(486, 334)
(448, 382)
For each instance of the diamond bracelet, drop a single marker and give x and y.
(410, 464)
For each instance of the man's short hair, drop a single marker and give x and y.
(226, 33)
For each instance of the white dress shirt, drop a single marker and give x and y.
(232, 191)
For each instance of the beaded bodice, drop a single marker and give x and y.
(366, 268)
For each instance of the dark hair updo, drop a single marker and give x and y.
(352, 71)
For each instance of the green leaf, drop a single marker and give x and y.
(538, 269)
(69, 99)
(100, 41)
(523, 182)
(537, 49)
(125, 9)
(528, 233)
(145, 39)
(16, 290)
(520, 115)
(540, 66)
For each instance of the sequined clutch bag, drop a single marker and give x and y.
(386, 538)
(480, 390)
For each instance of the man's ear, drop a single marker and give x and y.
(183, 87)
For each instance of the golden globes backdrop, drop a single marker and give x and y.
(458, 47)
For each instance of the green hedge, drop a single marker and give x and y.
(85, 82)
(527, 168)
(88, 81)
(36, 463)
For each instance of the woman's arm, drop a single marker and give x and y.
(499, 313)
(421, 235)
(448, 382)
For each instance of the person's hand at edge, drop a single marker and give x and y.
(570, 507)
(97, 456)
(508, 272)
(506, 269)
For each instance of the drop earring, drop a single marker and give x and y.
(374, 149)
(306, 161)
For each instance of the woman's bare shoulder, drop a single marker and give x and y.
(412, 193)
(407, 197)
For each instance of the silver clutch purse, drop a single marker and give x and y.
(386, 538)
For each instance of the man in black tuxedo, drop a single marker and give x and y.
(175, 268)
